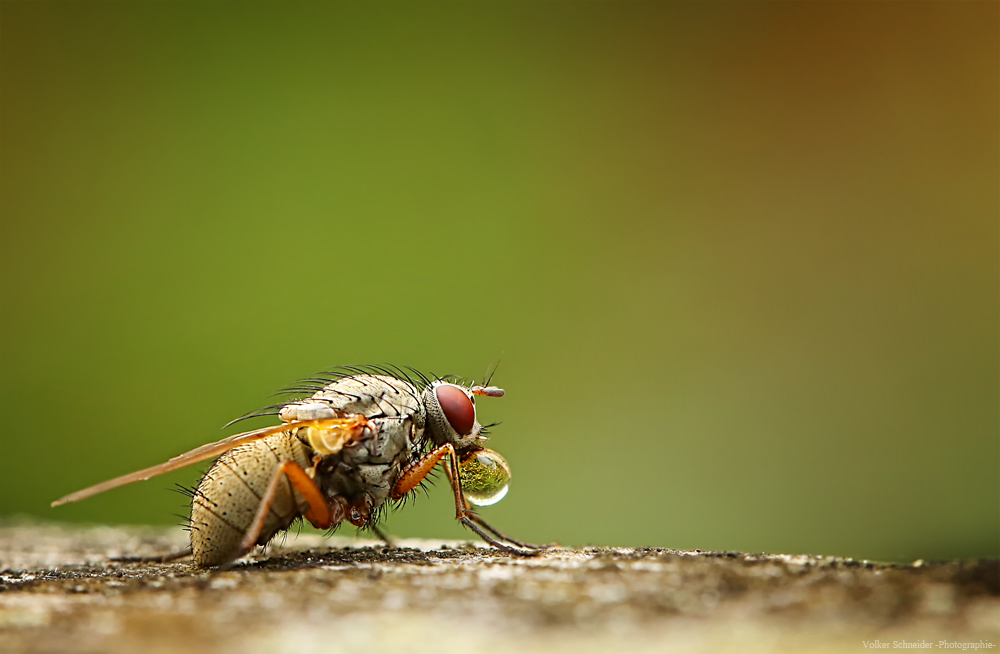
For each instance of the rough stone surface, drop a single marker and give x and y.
(59, 592)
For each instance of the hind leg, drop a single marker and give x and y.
(319, 513)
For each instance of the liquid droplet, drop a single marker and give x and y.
(485, 477)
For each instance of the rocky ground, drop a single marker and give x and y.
(59, 592)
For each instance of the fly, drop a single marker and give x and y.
(365, 438)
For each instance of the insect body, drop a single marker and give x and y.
(366, 437)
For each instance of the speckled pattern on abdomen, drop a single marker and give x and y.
(230, 493)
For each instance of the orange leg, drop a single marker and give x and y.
(412, 476)
(318, 515)
(416, 473)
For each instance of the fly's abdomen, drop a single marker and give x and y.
(230, 494)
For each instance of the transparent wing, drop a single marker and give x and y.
(209, 451)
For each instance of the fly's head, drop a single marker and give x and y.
(451, 413)
(451, 418)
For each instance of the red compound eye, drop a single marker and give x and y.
(457, 407)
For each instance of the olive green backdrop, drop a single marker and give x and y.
(739, 262)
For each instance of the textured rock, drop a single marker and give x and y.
(60, 593)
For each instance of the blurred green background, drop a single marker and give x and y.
(740, 262)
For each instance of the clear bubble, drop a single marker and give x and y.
(485, 477)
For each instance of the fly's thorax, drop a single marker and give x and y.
(393, 440)
(370, 483)
(366, 468)
(372, 396)
(354, 484)
(387, 402)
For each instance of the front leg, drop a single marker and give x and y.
(411, 477)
